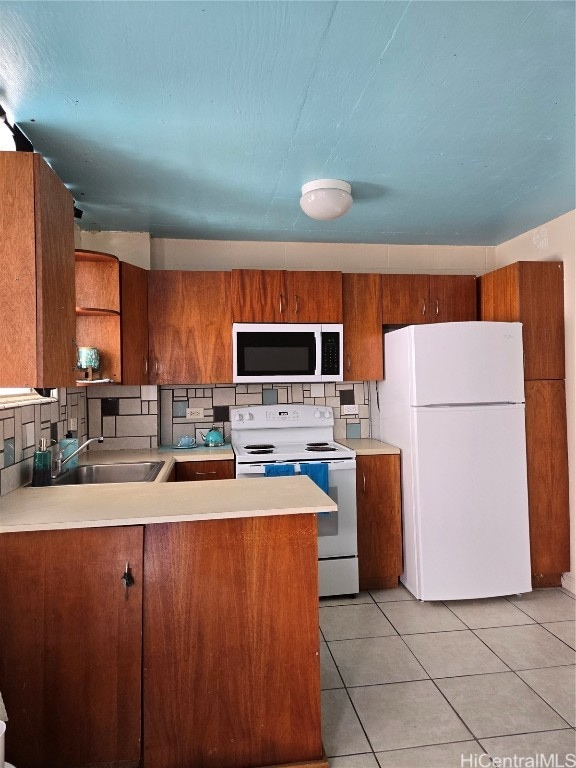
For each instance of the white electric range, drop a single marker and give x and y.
(291, 435)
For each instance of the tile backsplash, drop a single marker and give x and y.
(21, 428)
(216, 401)
(148, 416)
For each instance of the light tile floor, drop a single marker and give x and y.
(460, 684)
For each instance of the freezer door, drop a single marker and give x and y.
(470, 511)
(475, 362)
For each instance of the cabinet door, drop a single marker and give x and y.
(362, 306)
(37, 286)
(258, 296)
(452, 298)
(405, 299)
(531, 292)
(314, 297)
(204, 470)
(231, 672)
(190, 331)
(379, 521)
(134, 323)
(70, 647)
(548, 504)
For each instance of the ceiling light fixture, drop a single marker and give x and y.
(326, 199)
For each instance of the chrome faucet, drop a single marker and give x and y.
(59, 462)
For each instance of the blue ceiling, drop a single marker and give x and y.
(453, 121)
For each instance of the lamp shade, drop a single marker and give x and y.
(326, 199)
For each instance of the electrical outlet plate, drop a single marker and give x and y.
(349, 410)
(194, 413)
(73, 425)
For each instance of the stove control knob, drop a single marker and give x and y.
(317, 414)
(249, 416)
(238, 417)
(326, 414)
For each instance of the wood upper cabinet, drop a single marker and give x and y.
(530, 292)
(416, 299)
(547, 459)
(278, 296)
(112, 315)
(37, 320)
(190, 327)
(204, 470)
(134, 323)
(231, 672)
(362, 310)
(379, 521)
(70, 647)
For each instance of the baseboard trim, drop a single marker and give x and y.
(569, 582)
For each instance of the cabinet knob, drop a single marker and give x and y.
(296, 297)
(423, 307)
(348, 362)
(145, 365)
(437, 307)
(363, 482)
(281, 303)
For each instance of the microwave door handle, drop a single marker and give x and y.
(318, 365)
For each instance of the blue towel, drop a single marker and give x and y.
(277, 470)
(318, 473)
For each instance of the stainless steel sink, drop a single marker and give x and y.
(92, 474)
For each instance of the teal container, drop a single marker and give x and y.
(67, 446)
(42, 464)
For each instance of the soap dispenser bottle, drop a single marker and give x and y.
(67, 446)
(42, 467)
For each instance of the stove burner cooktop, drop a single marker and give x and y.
(261, 450)
(259, 445)
(320, 448)
(315, 444)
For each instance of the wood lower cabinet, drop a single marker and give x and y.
(231, 671)
(204, 470)
(379, 520)
(190, 331)
(362, 308)
(37, 320)
(417, 299)
(530, 292)
(280, 296)
(547, 455)
(70, 647)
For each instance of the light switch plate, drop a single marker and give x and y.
(73, 424)
(349, 410)
(194, 413)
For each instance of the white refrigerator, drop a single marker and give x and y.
(453, 402)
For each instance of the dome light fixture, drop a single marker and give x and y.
(325, 199)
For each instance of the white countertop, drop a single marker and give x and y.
(366, 446)
(85, 506)
(94, 506)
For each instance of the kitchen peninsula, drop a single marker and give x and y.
(217, 636)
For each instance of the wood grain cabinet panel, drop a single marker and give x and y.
(417, 299)
(134, 323)
(379, 521)
(190, 332)
(37, 286)
(362, 310)
(204, 470)
(547, 455)
(231, 672)
(530, 292)
(279, 296)
(70, 647)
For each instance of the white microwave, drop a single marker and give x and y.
(276, 352)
